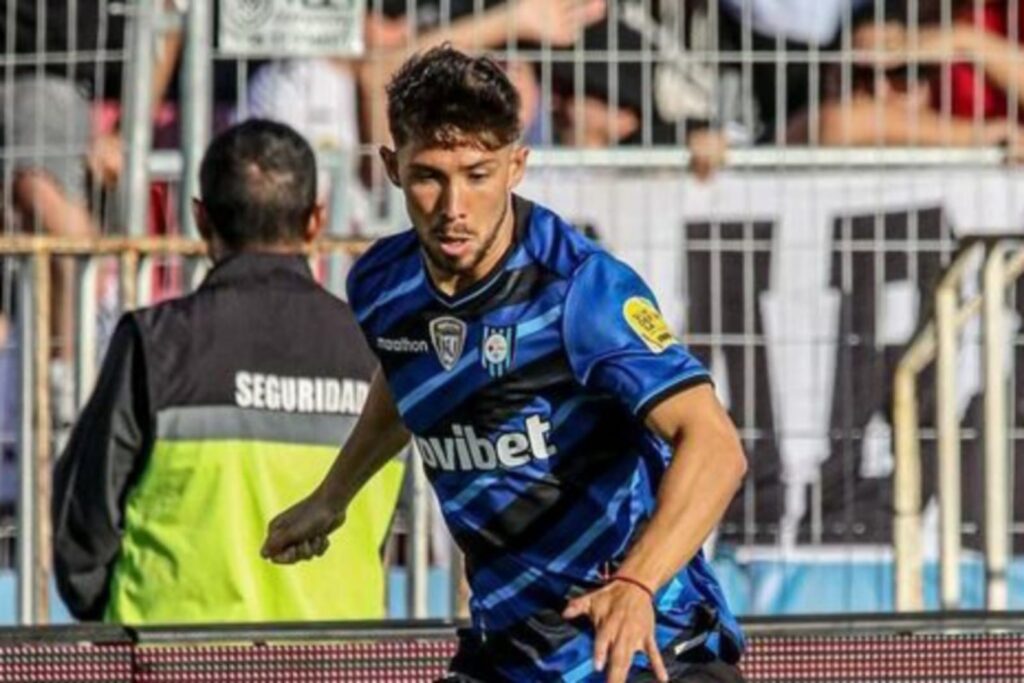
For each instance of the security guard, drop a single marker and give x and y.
(214, 411)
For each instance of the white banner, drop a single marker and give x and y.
(291, 28)
(800, 289)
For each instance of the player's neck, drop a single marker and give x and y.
(451, 284)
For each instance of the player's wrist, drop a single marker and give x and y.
(627, 580)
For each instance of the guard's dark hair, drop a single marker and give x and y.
(443, 96)
(258, 184)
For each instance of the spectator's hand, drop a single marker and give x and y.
(301, 531)
(558, 22)
(942, 44)
(708, 150)
(106, 159)
(383, 33)
(623, 619)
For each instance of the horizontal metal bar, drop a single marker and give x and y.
(756, 626)
(885, 624)
(167, 164)
(16, 245)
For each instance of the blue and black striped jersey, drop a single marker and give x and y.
(526, 395)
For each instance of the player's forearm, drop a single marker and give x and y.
(377, 437)
(701, 480)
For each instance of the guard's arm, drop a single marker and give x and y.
(301, 532)
(102, 460)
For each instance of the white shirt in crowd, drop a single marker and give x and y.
(316, 97)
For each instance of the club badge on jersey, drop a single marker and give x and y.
(498, 351)
(448, 335)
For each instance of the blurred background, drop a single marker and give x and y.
(793, 177)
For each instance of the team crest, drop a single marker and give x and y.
(448, 335)
(498, 349)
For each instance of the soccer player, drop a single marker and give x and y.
(577, 449)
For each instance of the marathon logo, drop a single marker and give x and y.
(466, 451)
(402, 345)
(300, 394)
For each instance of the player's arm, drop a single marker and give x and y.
(301, 531)
(707, 467)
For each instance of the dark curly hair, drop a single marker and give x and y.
(442, 96)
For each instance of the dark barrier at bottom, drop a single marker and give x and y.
(934, 648)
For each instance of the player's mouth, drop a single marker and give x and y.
(453, 246)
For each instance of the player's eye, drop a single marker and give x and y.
(479, 176)
(423, 176)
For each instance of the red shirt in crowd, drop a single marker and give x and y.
(989, 99)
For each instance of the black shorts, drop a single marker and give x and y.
(686, 658)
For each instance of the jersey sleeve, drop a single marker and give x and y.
(617, 341)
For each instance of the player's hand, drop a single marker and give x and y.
(301, 531)
(623, 619)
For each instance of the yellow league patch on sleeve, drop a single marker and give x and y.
(646, 321)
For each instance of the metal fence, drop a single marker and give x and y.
(844, 169)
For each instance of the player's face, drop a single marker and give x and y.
(459, 200)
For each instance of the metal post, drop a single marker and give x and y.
(948, 425)
(196, 103)
(907, 492)
(138, 123)
(86, 311)
(997, 483)
(129, 280)
(26, 521)
(40, 555)
(419, 530)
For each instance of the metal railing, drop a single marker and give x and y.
(938, 341)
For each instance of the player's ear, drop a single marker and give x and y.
(390, 159)
(517, 164)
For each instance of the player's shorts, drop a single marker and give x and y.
(688, 659)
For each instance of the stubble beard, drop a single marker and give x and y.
(448, 268)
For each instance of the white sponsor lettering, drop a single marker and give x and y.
(402, 345)
(464, 450)
(300, 394)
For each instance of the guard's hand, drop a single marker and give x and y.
(623, 619)
(301, 531)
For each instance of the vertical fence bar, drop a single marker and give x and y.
(86, 312)
(40, 582)
(129, 279)
(196, 103)
(139, 118)
(948, 424)
(909, 590)
(26, 448)
(419, 532)
(997, 483)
